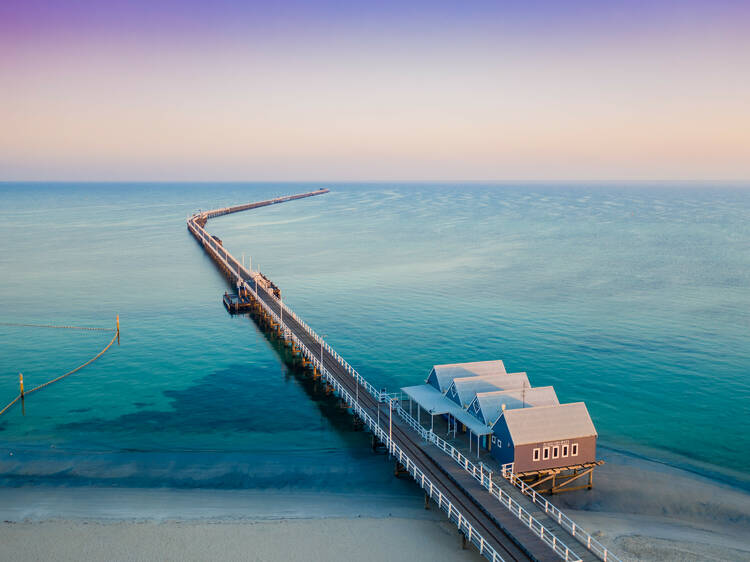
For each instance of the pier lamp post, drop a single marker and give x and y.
(380, 400)
(390, 425)
(322, 337)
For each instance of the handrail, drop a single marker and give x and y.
(484, 477)
(563, 520)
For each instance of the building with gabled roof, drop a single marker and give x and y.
(462, 391)
(502, 413)
(544, 437)
(487, 406)
(441, 376)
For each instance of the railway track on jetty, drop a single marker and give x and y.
(500, 528)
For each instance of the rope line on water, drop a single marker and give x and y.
(57, 327)
(16, 399)
(115, 337)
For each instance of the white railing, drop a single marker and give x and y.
(481, 474)
(555, 513)
(484, 477)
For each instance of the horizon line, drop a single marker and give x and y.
(344, 181)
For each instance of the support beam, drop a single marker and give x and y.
(548, 477)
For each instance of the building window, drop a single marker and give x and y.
(565, 451)
(536, 454)
(545, 453)
(574, 450)
(494, 439)
(555, 452)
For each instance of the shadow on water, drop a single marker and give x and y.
(250, 399)
(331, 407)
(241, 402)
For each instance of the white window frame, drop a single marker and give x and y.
(565, 449)
(545, 453)
(556, 451)
(574, 450)
(537, 454)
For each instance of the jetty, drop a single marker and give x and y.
(496, 511)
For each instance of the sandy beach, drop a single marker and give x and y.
(94, 523)
(647, 510)
(642, 509)
(366, 539)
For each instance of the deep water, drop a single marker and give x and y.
(632, 298)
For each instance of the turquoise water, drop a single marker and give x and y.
(632, 298)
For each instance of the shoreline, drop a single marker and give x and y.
(642, 509)
(427, 539)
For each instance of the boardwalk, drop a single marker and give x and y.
(499, 525)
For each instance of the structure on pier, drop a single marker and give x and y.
(464, 390)
(520, 425)
(544, 437)
(487, 407)
(442, 376)
(238, 303)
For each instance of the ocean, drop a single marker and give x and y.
(634, 298)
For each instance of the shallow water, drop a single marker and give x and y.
(632, 298)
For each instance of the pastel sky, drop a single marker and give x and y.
(346, 90)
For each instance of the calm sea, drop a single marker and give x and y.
(632, 298)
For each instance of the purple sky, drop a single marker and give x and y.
(387, 90)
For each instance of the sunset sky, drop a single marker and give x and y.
(188, 90)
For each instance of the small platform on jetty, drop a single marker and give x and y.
(237, 304)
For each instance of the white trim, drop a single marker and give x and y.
(537, 454)
(574, 450)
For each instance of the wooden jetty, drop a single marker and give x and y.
(491, 511)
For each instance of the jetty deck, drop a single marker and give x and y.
(497, 522)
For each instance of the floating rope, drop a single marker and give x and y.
(22, 394)
(16, 399)
(57, 327)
